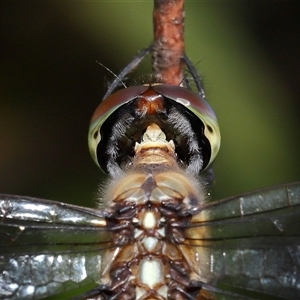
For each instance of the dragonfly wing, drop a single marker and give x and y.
(250, 245)
(48, 247)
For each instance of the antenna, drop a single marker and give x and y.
(133, 64)
(111, 72)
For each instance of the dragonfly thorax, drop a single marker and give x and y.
(149, 213)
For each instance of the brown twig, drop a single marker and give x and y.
(168, 49)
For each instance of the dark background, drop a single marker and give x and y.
(248, 54)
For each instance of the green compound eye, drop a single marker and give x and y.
(106, 108)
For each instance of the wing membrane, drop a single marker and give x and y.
(250, 244)
(48, 247)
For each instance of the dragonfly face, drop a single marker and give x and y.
(186, 119)
(154, 236)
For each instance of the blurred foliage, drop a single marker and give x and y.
(248, 54)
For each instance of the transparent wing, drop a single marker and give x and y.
(249, 246)
(48, 247)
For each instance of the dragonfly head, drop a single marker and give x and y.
(122, 119)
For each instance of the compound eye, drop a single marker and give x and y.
(199, 108)
(106, 108)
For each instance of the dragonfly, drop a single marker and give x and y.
(154, 234)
